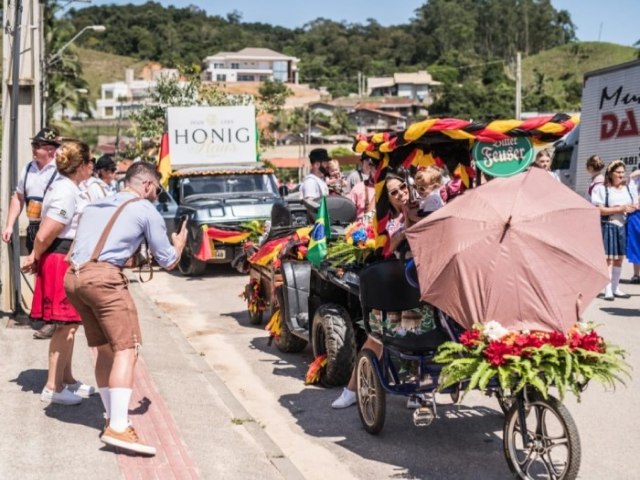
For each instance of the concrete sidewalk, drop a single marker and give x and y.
(180, 406)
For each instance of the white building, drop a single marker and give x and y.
(120, 99)
(416, 86)
(251, 65)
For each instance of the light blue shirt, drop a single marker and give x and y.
(137, 221)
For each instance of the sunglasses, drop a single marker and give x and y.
(396, 191)
(157, 187)
(422, 188)
(39, 145)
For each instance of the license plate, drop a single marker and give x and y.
(220, 254)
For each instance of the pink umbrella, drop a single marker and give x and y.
(525, 251)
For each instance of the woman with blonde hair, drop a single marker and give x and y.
(61, 209)
(615, 200)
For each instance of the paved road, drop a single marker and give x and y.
(465, 443)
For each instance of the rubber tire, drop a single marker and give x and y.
(190, 266)
(287, 342)
(545, 407)
(332, 334)
(255, 318)
(370, 396)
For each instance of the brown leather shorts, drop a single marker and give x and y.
(100, 293)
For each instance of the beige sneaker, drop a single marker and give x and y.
(127, 440)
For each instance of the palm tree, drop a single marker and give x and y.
(64, 73)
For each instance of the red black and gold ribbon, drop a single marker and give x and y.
(446, 141)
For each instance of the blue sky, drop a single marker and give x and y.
(614, 21)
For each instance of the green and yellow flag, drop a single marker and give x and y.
(320, 234)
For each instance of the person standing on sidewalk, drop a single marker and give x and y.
(110, 232)
(34, 179)
(616, 200)
(61, 209)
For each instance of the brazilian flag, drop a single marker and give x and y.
(320, 234)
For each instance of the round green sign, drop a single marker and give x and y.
(503, 158)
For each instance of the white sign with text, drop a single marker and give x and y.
(211, 135)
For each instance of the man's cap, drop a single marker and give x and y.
(105, 162)
(48, 136)
(319, 155)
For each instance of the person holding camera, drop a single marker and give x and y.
(109, 234)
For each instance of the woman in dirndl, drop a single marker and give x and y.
(61, 209)
(616, 200)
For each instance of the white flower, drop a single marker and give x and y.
(584, 327)
(494, 331)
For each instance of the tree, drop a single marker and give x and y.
(273, 95)
(63, 73)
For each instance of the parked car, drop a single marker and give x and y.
(223, 197)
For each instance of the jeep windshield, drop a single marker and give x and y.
(228, 185)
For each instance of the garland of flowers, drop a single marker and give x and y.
(539, 359)
(255, 299)
(274, 327)
(315, 368)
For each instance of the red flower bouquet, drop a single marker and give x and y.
(539, 359)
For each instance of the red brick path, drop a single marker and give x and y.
(156, 427)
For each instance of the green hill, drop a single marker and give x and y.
(99, 67)
(560, 70)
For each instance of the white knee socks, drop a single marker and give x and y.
(119, 398)
(615, 278)
(106, 401)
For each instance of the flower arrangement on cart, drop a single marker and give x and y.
(536, 358)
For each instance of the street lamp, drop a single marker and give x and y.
(58, 55)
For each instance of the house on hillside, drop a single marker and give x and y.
(369, 120)
(120, 99)
(251, 65)
(417, 86)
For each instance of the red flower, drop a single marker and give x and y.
(496, 351)
(575, 340)
(592, 342)
(470, 338)
(557, 339)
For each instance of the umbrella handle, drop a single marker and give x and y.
(410, 273)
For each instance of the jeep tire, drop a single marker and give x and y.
(287, 342)
(189, 265)
(332, 335)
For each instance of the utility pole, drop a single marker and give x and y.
(22, 55)
(518, 85)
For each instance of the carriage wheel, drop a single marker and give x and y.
(370, 394)
(553, 450)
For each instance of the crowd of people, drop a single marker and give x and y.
(81, 234)
(82, 231)
(414, 194)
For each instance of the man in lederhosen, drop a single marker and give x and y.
(34, 180)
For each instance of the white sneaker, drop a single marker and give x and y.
(80, 389)
(415, 401)
(346, 399)
(64, 397)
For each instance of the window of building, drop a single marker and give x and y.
(108, 94)
(235, 66)
(246, 78)
(280, 71)
(221, 77)
(218, 65)
(108, 111)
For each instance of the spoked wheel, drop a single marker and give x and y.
(372, 405)
(553, 448)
